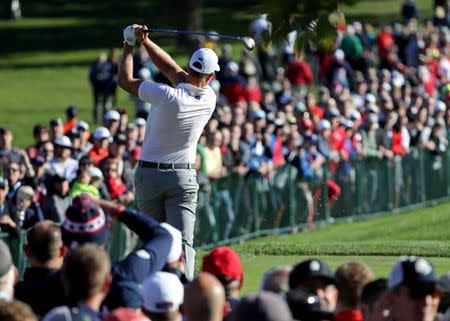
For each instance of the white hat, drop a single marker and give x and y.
(112, 115)
(101, 133)
(62, 141)
(140, 121)
(83, 125)
(324, 124)
(204, 61)
(176, 249)
(370, 98)
(162, 292)
(440, 106)
(339, 54)
(95, 172)
(354, 115)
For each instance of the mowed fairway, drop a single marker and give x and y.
(376, 241)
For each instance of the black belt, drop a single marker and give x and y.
(166, 165)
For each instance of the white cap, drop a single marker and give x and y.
(101, 133)
(63, 141)
(95, 172)
(176, 250)
(204, 61)
(354, 115)
(440, 106)
(324, 124)
(140, 121)
(112, 115)
(83, 125)
(162, 292)
(370, 98)
(339, 54)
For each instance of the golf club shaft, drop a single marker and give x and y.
(182, 32)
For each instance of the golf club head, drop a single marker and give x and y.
(248, 42)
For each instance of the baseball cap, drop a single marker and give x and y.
(339, 54)
(62, 141)
(310, 269)
(82, 125)
(6, 261)
(55, 122)
(3, 182)
(176, 249)
(324, 124)
(413, 272)
(95, 172)
(101, 133)
(140, 121)
(204, 61)
(84, 221)
(111, 115)
(126, 314)
(262, 306)
(25, 192)
(162, 292)
(225, 264)
(440, 106)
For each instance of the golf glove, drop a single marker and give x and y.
(129, 37)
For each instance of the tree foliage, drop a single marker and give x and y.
(314, 20)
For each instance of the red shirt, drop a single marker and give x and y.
(253, 94)
(234, 92)
(98, 154)
(278, 157)
(397, 147)
(385, 42)
(115, 187)
(299, 73)
(349, 315)
(317, 111)
(68, 125)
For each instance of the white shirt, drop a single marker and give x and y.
(67, 168)
(175, 122)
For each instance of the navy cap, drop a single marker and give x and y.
(412, 272)
(310, 269)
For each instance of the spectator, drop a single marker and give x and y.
(62, 163)
(315, 277)
(83, 128)
(374, 305)
(443, 285)
(111, 121)
(9, 153)
(140, 123)
(352, 47)
(47, 151)
(340, 73)
(412, 290)
(45, 251)
(100, 151)
(409, 11)
(204, 299)
(56, 127)
(27, 211)
(87, 279)
(82, 184)
(97, 181)
(101, 77)
(440, 19)
(351, 277)
(16, 311)
(116, 187)
(162, 296)
(225, 264)
(6, 222)
(40, 135)
(117, 150)
(72, 119)
(300, 75)
(58, 199)
(13, 175)
(8, 274)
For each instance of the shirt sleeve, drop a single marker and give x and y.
(153, 92)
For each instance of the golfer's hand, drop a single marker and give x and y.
(129, 36)
(140, 34)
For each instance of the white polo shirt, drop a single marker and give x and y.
(175, 122)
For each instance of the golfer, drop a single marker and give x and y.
(166, 180)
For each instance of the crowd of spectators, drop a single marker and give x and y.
(374, 95)
(66, 283)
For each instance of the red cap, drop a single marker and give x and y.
(126, 314)
(224, 262)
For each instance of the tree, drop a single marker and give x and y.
(189, 17)
(315, 20)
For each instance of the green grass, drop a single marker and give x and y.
(43, 67)
(376, 241)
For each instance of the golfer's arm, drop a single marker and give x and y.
(125, 77)
(165, 63)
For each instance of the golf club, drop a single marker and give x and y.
(248, 42)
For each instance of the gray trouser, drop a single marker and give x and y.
(170, 195)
